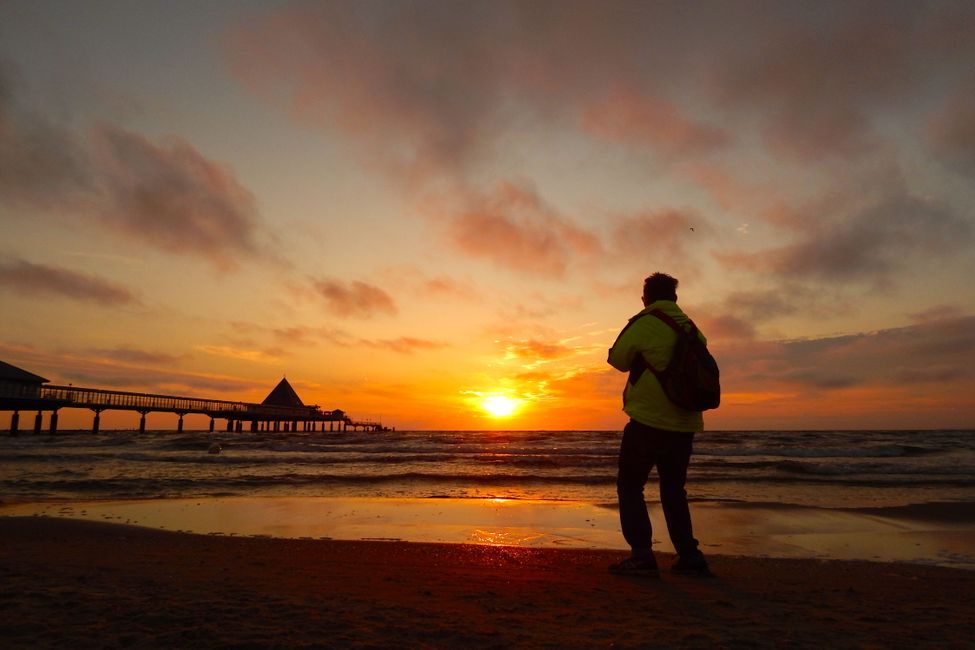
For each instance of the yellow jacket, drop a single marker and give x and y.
(646, 401)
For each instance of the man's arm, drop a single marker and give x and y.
(626, 348)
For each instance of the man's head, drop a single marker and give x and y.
(659, 286)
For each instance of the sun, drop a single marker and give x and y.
(499, 406)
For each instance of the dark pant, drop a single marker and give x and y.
(642, 448)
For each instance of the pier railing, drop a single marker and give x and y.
(100, 399)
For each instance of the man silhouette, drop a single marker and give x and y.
(659, 433)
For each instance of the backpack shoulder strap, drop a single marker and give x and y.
(659, 313)
(681, 333)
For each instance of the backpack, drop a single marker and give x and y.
(690, 379)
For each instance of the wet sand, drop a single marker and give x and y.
(69, 582)
(941, 534)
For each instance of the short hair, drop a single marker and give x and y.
(660, 286)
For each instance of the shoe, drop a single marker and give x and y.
(694, 565)
(633, 566)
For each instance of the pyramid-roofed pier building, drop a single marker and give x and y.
(283, 395)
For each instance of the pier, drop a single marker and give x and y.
(282, 410)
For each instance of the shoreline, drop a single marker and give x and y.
(939, 534)
(93, 584)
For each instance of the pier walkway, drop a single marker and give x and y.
(23, 391)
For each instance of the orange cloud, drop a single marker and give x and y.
(305, 337)
(354, 299)
(136, 356)
(245, 354)
(403, 344)
(538, 350)
(444, 286)
(295, 335)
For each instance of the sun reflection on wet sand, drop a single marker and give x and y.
(504, 537)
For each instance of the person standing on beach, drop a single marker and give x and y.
(659, 433)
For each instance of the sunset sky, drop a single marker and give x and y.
(418, 210)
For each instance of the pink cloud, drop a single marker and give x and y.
(862, 241)
(926, 356)
(354, 299)
(379, 73)
(175, 198)
(951, 132)
(429, 91)
(631, 117)
(731, 192)
(725, 327)
(29, 279)
(816, 85)
(444, 286)
(167, 195)
(433, 92)
(663, 234)
(938, 313)
(41, 162)
(440, 287)
(514, 229)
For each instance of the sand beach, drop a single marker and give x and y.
(454, 539)
(89, 584)
(83, 577)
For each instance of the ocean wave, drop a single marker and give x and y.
(813, 480)
(542, 464)
(883, 451)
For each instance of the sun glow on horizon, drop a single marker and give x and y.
(500, 406)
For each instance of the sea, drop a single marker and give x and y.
(830, 469)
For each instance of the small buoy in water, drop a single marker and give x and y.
(215, 448)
